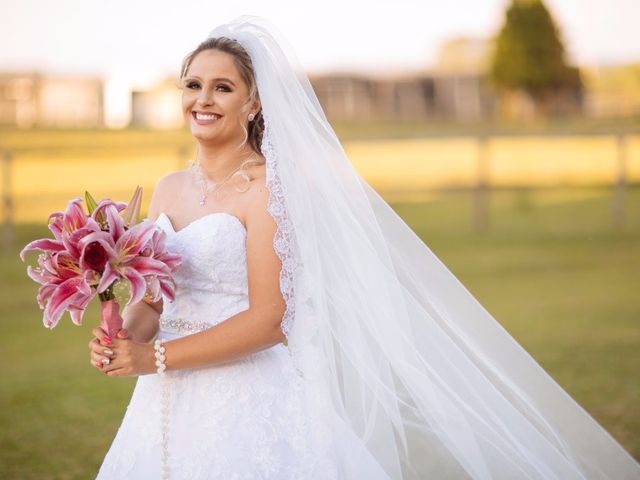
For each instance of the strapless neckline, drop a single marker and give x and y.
(203, 217)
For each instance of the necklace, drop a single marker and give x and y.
(208, 185)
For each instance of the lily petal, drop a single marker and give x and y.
(108, 277)
(44, 244)
(134, 240)
(115, 221)
(44, 294)
(149, 266)
(168, 287)
(60, 299)
(138, 284)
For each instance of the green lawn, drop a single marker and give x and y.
(550, 269)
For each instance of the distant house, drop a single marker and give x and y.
(455, 88)
(158, 107)
(35, 100)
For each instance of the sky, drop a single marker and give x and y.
(139, 36)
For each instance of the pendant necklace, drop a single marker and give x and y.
(208, 185)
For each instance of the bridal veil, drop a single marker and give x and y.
(405, 374)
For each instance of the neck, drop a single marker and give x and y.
(217, 162)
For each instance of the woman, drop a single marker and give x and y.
(345, 349)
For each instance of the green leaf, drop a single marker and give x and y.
(90, 201)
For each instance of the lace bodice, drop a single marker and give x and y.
(211, 282)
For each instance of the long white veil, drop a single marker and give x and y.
(405, 374)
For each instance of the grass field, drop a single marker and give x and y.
(550, 269)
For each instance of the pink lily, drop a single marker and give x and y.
(63, 286)
(124, 248)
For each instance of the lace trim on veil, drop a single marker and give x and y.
(283, 242)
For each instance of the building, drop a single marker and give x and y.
(31, 99)
(455, 88)
(158, 107)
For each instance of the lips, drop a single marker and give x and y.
(205, 118)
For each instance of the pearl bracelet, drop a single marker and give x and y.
(160, 357)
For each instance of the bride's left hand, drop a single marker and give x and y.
(130, 358)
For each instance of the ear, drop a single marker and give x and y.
(256, 106)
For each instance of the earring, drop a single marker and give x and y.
(251, 116)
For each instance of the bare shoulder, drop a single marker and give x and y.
(258, 197)
(165, 189)
(259, 180)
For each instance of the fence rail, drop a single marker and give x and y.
(131, 163)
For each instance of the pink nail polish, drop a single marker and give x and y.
(106, 339)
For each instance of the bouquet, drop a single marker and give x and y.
(92, 252)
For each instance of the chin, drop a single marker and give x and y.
(200, 135)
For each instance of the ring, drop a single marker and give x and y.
(106, 361)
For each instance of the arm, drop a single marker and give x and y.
(141, 321)
(253, 329)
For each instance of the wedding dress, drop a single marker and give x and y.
(392, 369)
(238, 420)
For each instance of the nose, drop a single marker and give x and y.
(206, 97)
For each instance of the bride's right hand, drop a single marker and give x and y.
(101, 354)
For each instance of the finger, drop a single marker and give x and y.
(123, 333)
(96, 364)
(98, 348)
(105, 361)
(102, 337)
(98, 332)
(114, 362)
(101, 359)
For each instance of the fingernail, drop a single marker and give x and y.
(106, 339)
(108, 352)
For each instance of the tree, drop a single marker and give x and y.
(529, 55)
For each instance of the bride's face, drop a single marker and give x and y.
(214, 98)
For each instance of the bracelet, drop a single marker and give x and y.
(158, 346)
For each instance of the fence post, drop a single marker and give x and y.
(7, 201)
(618, 210)
(480, 208)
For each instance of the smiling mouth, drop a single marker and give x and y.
(205, 117)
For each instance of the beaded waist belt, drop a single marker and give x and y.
(182, 324)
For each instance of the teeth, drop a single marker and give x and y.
(203, 116)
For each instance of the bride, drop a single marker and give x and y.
(313, 335)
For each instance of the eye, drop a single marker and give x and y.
(224, 87)
(192, 85)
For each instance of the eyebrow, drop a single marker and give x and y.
(224, 79)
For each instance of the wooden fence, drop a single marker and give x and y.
(480, 183)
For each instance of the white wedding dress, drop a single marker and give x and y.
(238, 420)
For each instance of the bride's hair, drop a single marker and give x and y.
(245, 67)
